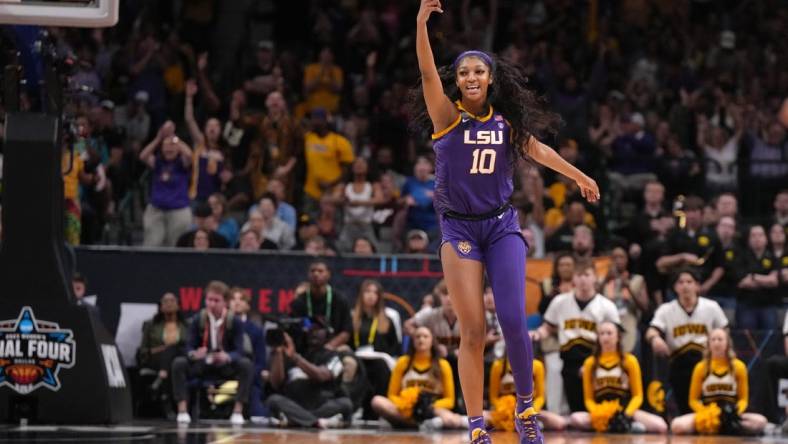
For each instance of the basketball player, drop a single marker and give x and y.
(721, 378)
(484, 119)
(574, 317)
(680, 330)
(611, 374)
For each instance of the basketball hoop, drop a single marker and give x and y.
(67, 13)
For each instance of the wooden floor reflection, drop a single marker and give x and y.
(373, 437)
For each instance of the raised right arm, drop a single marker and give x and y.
(440, 109)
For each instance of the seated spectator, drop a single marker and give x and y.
(208, 159)
(79, 286)
(307, 229)
(284, 210)
(360, 196)
(168, 214)
(726, 204)
(163, 339)
(420, 377)
(227, 227)
(372, 328)
(781, 209)
(583, 243)
(561, 238)
(250, 241)
(494, 345)
(560, 281)
(534, 251)
(722, 380)
(679, 330)
(648, 223)
(363, 246)
(308, 386)
(502, 385)
(573, 317)
(275, 229)
(374, 331)
(418, 194)
(628, 291)
(758, 279)
(323, 302)
(329, 222)
(693, 246)
(417, 242)
(613, 375)
(317, 246)
(442, 322)
(214, 350)
(205, 223)
(254, 348)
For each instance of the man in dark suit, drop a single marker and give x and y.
(214, 348)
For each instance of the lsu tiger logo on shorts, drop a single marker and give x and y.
(464, 247)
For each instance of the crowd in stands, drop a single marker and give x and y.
(281, 126)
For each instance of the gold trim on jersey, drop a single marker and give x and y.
(474, 116)
(691, 346)
(446, 130)
(577, 341)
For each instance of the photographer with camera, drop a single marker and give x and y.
(308, 385)
(215, 347)
(168, 214)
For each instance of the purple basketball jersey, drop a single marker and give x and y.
(473, 164)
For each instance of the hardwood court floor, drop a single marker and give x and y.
(223, 434)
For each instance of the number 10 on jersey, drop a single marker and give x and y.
(483, 161)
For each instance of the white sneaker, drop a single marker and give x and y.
(637, 427)
(237, 419)
(431, 425)
(183, 418)
(334, 422)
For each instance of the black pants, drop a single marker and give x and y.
(302, 417)
(162, 360)
(778, 369)
(182, 368)
(573, 385)
(680, 379)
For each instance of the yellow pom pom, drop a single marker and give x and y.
(707, 420)
(502, 416)
(407, 399)
(600, 416)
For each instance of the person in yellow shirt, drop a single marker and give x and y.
(323, 82)
(423, 369)
(612, 375)
(502, 384)
(73, 175)
(328, 156)
(719, 379)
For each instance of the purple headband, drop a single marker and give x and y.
(474, 53)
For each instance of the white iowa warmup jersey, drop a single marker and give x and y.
(688, 331)
(577, 326)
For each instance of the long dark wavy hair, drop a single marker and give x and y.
(508, 94)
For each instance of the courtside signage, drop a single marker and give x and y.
(32, 352)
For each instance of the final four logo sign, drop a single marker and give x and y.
(32, 352)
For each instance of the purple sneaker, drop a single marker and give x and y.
(480, 436)
(528, 427)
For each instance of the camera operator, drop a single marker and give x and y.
(309, 392)
(322, 302)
